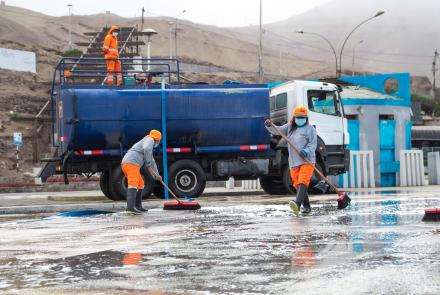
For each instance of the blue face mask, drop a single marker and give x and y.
(156, 145)
(300, 121)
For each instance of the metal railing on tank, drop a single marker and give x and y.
(134, 71)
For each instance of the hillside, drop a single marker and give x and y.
(403, 39)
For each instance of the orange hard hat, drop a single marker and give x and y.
(156, 135)
(300, 111)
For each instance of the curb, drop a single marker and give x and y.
(117, 206)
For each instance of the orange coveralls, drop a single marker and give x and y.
(302, 174)
(110, 48)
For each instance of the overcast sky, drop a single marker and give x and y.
(211, 12)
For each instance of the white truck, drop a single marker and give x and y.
(326, 114)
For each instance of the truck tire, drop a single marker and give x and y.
(103, 184)
(158, 190)
(187, 179)
(118, 184)
(287, 181)
(273, 185)
(316, 179)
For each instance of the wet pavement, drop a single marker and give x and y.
(378, 245)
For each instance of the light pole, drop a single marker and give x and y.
(354, 54)
(328, 42)
(260, 46)
(149, 33)
(175, 33)
(171, 39)
(434, 71)
(70, 25)
(379, 13)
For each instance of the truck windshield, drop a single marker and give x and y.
(322, 101)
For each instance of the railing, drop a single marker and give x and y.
(87, 49)
(74, 70)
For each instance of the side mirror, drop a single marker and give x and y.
(339, 88)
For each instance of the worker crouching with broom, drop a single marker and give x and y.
(140, 154)
(301, 162)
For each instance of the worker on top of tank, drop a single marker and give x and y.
(303, 136)
(140, 154)
(110, 49)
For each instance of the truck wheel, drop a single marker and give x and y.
(287, 181)
(158, 190)
(118, 184)
(316, 179)
(103, 184)
(273, 185)
(187, 179)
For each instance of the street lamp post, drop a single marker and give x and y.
(149, 33)
(171, 39)
(328, 42)
(260, 46)
(354, 54)
(379, 13)
(175, 33)
(70, 25)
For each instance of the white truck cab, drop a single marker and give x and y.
(326, 114)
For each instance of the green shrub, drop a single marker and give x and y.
(430, 105)
(72, 53)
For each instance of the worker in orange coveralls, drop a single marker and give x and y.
(110, 48)
(304, 137)
(140, 154)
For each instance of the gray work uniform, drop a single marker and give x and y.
(141, 153)
(304, 138)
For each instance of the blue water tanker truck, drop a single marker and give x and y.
(213, 132)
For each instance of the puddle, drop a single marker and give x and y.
(377, 245)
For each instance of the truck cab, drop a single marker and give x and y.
(326, 114)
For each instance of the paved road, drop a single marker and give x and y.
(232, 245)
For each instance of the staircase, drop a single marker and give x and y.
(129, 42)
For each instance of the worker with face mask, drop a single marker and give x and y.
(110, 49)
(139, 155)
(303, 136)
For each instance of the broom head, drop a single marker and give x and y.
(432, 214)
(182, 205)
(343, 200)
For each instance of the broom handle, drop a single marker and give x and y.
(170, 191)
(166, 186)
(304, 158)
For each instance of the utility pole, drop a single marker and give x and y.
(260, 47)
(175, 33)
(354, 56)
(280, 60)
(70, 25)
(142, 19)
(171, 39)
(434, 71)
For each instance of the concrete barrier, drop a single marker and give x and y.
(434, 168)
(411, 168)
(361, 173)
(250, 184)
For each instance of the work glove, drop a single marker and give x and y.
(268, 123)
(304, 153)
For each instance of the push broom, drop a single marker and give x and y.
(343, 198)
(180, 205)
